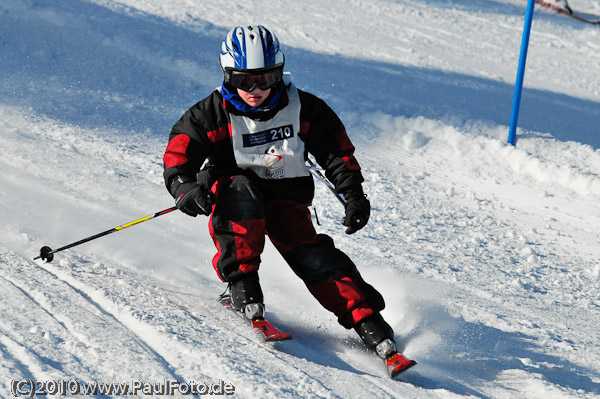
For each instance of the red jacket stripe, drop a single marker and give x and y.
(175, 154)
(347, 150)
(304, 126)
(218, 134)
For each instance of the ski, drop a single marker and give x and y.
(397, 364)
(264, 329)
(267, 331)
(567, 13)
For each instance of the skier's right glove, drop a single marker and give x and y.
(193, 198)
(358, 211)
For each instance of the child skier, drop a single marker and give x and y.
(239, 156)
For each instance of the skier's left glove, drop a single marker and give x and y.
(358, 210)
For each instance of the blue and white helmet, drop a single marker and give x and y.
(250, 48)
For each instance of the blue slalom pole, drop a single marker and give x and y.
(512, 132)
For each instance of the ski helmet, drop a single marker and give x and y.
(251, 51)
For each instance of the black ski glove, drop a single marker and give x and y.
(207, 177)
(193, 198)
(358, 210)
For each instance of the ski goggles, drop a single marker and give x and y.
(249, 81)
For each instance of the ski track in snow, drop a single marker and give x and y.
(487, 254)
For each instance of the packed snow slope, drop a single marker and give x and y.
(487, 254)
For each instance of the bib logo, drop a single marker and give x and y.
(274, 162)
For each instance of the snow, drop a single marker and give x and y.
(488, 255)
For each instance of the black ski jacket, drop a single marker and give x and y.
(203, 134)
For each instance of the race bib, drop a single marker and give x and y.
(271, 149)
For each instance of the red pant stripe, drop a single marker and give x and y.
(341, 296)
(249, 243)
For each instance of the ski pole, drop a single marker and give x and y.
(317, 173)
(47, 253)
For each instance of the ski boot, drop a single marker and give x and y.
(378, 336)
(247, 297)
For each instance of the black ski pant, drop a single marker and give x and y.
(245, 212)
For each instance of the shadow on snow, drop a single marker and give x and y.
(474, 358)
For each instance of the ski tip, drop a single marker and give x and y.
(267, 332)
(393, 373)
(397, 364)
(282, 337)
